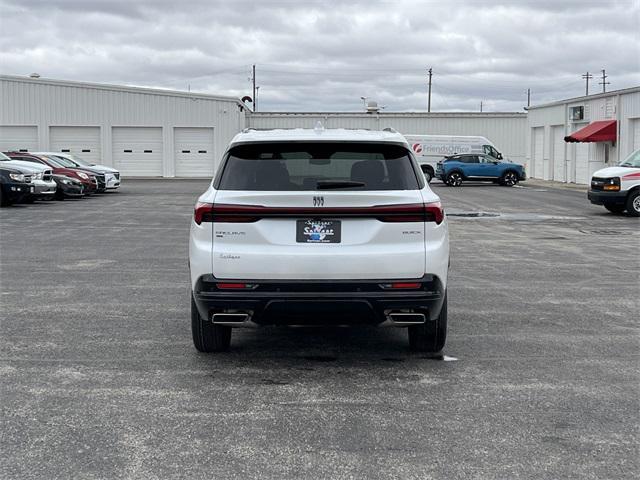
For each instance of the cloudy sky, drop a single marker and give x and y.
(325, 55)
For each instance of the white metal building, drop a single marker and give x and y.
(506, 130)
(550, 157)
(140, 131)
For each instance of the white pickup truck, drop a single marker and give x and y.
(618, 188)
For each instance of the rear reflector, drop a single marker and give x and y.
(236, 286)
(401, 285)
(226, 213)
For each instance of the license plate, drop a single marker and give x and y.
(318, 231)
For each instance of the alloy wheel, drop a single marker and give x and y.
(510, 179)
(454, 179)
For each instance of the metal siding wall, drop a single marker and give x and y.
(507, 131)
(628, 119)
(45, 103)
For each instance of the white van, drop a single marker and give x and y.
(429, 149)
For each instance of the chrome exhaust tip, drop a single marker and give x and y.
(400, 319)
(230, 319)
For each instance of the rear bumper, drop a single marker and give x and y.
(598, 197)
(303, 302)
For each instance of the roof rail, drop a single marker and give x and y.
(389, 129)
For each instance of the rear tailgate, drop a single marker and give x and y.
(318, 235)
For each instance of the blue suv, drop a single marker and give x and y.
(457, 168)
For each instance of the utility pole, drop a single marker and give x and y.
(429, 98)
(253, 79)
(528, 97)
(255, 105)
(587, 76)
(480, 106)
(604, 82)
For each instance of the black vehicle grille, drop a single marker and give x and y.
(101, 181)
(47, 176)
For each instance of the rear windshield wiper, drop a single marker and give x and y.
(328, 184)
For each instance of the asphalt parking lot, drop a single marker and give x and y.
(99, 378)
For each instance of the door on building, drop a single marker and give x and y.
(137, 151)
(81, 141)
(538, 152)
(557, 154)
(582, 163)
(18, 138)
(636, 134)
(194, 156)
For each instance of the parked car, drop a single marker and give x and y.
(44, 187)
(111, 175)
(319, 227)
(428, 149)
(68, 187)
(618, 188)
(455, 169)
(87, 178)
(15, 185)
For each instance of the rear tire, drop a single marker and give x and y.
(431, 336)
(633, 203)
(208, 337)
(617, 209)
(428, 174)
(454, 179)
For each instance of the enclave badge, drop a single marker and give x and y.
(318, 201)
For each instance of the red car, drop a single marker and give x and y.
(88, 179)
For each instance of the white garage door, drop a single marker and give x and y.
(81, 141)
(636, 134)
(558, 154)
(18, 138)
(137, 151)
(538, 152)
(194, 152)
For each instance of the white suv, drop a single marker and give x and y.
(308, 227)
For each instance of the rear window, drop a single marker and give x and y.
(318, 166)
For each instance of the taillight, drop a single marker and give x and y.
(225, 213)
(434, 212)
(203, 213)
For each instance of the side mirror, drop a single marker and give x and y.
(499, 156)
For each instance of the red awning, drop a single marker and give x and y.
(601, 131)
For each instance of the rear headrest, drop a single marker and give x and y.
(370, 172)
